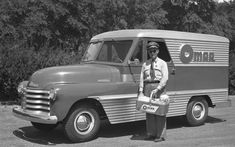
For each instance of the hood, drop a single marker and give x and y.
(74, 74)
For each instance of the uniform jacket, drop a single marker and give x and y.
(160, 71)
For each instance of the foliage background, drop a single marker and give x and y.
(35, 34)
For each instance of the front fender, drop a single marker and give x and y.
(69, 94)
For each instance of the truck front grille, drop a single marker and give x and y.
(36, 101)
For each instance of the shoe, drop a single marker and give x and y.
(159, 139)
(149, 137)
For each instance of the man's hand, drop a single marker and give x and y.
(154, 93)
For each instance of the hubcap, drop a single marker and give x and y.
(198, 110)
(84, 122)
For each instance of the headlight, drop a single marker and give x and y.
(32, 84)
(52, 94)
(20, 88)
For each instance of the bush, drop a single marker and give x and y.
(19, 63)
(232, 74)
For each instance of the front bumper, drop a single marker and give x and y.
(20, 113)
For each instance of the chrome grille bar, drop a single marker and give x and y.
(37, 101)
(36, 96)
(38, 107)
(36, 91)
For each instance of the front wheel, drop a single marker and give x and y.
(82, 124)
(197, 112)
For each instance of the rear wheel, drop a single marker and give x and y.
(82, 124)
(44, 127)
(197, 112)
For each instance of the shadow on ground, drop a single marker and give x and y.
(135, 129)
(33, 135)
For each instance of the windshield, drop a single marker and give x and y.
(110, 51)
(92, 51)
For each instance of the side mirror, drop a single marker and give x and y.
(136, 61)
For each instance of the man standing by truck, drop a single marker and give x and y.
(153, 78)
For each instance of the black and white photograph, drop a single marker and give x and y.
(117, 73)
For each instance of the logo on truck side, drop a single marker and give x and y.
(187, 55)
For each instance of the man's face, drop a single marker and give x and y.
(153, 53)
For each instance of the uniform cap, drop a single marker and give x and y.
(153, 45)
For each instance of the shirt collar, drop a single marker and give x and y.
(155, 61)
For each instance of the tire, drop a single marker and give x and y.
(89, 125)
(197, 112)
(44, 127)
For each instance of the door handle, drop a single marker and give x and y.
(173, 71)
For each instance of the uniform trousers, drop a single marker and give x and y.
(155, 124)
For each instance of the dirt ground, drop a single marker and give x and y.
(219, 130)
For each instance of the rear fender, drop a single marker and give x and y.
(206, 97)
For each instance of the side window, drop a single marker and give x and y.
(137, 55)
(163, 52)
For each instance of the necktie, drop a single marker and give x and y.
(152, 73)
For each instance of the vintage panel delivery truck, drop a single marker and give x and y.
(105, 83)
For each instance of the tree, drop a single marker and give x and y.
(229, 9)
(197, 16)
(123, 14)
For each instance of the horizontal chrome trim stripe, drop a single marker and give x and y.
(36, 91)
(36, 96)
(123, 120)
(37, 107)
(118, 96)
(201, 91)
(38, 102)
